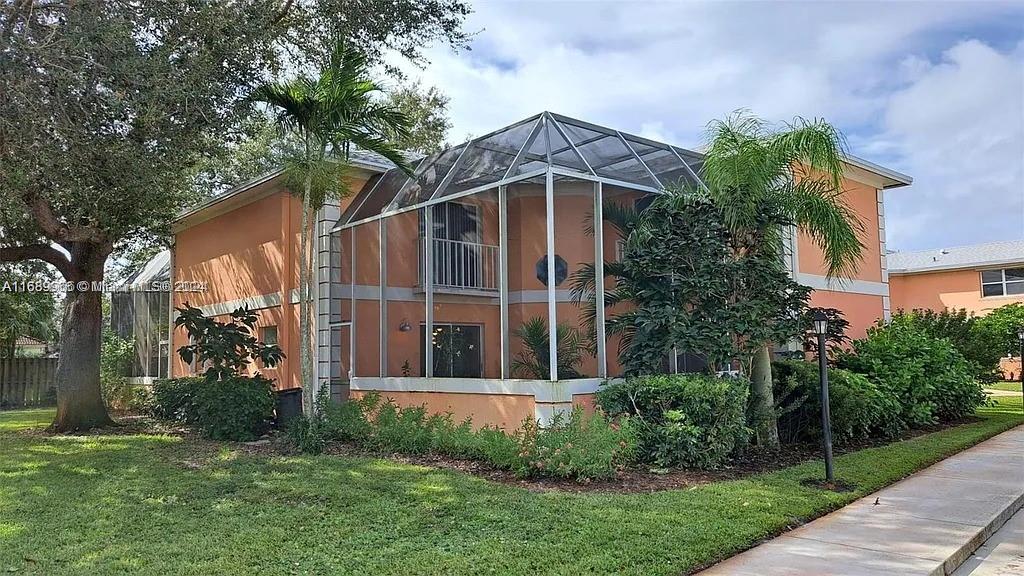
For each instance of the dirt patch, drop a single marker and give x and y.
(836, 485)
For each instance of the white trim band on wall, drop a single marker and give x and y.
(542, 390)
(253, 303)
(848, 285)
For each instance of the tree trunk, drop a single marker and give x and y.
(762, 400)
(79, 402)
(305, 324)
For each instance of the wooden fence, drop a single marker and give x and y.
(28, 382)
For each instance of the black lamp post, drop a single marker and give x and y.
(821, 327)
(1020, 338)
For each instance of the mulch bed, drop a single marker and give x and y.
(640, 479)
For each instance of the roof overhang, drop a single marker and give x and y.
(885, 178)
(958, 266)
(250, 191)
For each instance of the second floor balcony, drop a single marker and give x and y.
(460, 266)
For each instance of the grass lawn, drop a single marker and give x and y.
(1005, 386)
(158, 505)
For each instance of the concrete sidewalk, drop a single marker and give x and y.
(928, 523)
(1001, 555)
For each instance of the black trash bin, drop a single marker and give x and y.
(289, 405)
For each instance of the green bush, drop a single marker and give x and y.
(347, 421)
(309, 435)
(579, 446)
(116, 358)
(929, 378)
(859, 409)
(499, 449)
(972, 336)
(172, 398)
(682, 419)
(998, 329)
(236, 408)
(574, 446)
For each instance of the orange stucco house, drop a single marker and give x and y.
(424, 282)
(977, 278)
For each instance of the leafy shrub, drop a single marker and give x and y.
(225, 348)
(116, 357)
(501, 450)
(929, 378)
(236, 408)
(578, 446)
(859, 409)
(402, 430)
(347, 421)
(998, 329)
(969, 334)
(172, 398)
(309, 435)
(682, 419)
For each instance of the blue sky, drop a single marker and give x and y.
(933, 89)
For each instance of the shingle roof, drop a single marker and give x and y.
(976, 256)
(28, 341)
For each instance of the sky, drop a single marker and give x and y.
(931, 89)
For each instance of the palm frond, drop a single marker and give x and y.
(819, 210)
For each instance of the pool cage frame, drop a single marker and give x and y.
(555, 147)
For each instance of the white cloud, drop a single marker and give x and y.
(959, 128)
(664, 69)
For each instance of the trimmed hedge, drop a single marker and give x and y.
(238, 408)
(682, 419)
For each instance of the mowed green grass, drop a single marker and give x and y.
(1005, 386)
(105, 505)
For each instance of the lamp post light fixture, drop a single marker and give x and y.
(1020, 339)
(821, 328)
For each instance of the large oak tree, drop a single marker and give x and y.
(108, 108)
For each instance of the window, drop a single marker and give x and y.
(620, 249)
(1005, 282)
(458, 351)
(268, 335)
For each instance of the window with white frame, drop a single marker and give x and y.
(1002, 282)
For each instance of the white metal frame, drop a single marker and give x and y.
(544, 122)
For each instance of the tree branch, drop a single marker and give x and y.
(42, 252)
(282, 11)
(52, 227)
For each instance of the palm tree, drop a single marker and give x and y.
(766, 182)
(534, 360)
(323, 117)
